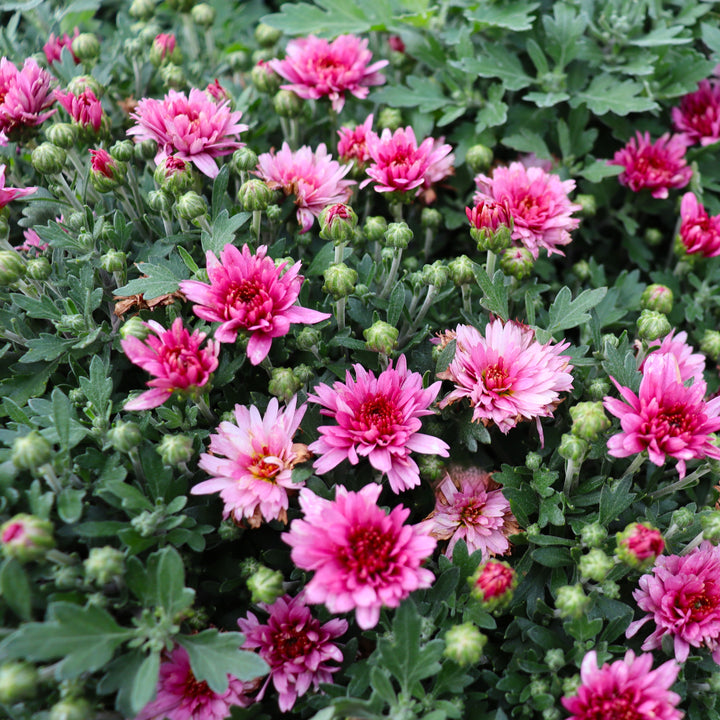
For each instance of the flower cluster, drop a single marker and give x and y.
(26, 94)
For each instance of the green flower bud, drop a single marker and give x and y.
(381, 337)
(461, 271)
(538, 686)
(26, 537)
(273, 213)
(435, 274)
(479, 158)
(533, 461)
(159, 201)
(375, 228)
(244, 159)
(657, 297)
(610, 339)
(431, 467)
(652, 325)
(398, 235)
(493, 584)
(30, 451)
(134, 327)
(711, 526)
(80, 83)
(283, 384)
(73, 323)
(710, 344)
(18, 681)
(86, 47)
(532, 531)
(572, 447)
(173, 76)
(237, 60)
(593, 534)
(555, 659)
(254, 195)
(571, 601)
(517, 262)
(390, 118)
(589, 420)
(63, 135)
(146, 150)
(570, 685)
(714, 682)
(265, 585)
(134, 47)
(639, 544)
(104, 565)
(12, 267)
(76, 220)
(191, 206)
(588, 204)
(598, 388)
(124, 436)
(38, 268)
(551, 713)
(48, 159)
(339, 280)
(71, 709)
(266, 35)
(164, 50)
(653, 236)
(142, 9)
(430, 218)
(464, 644)
(265, 79)
(113, 261)
(610, 589)
(308, 338)
(203, 15)
(683, 517)
(175, 450)
(228, 530)
(287, 104)
(582, 270)
(174, 175)
(337, 223)
(595, 565)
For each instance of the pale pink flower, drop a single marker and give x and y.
(248, 292)
(194, 127)
(251, 462)
(317, 68)
(176, 360)
(470, 506)
(508, 376)
(656, 166)
(84, 108)
(25, 96)
(682, 596)
(399, 164)
(628, 688)
(299, 650)
(698, 117)
(54, 46)
(8, 194)
(364, 559)
(665, 417)
(690, 363)
(180, 696)
(699, 232)
(539, 205)
(352, 143)
(377, 418)
(33, 243)
(314, 178)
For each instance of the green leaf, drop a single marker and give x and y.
(98, 386)
(223, 231)
(422, 93)
(348, 342)
(15, 588)
(396, 303)
(42, 309)
(219, 190)
(599, 170)
(494, 111)
(190, 264)
(62, 411)
(46, 347)
(120, 678)
(322, 260)
(528, 142)
(380, 683)
(711, 37)
(552, 556)
(70, 504)
(567, 313)
(213, 655)
(622, 366)
(614, 499)
(661, 37)
(495, 61)
(511, 15)
(336, 17)
(495, 297)
(445, 357)
(158, 280)
(145, 681)
(607, 94)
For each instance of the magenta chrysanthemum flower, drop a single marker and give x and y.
(352, 143)
(539, 205)
(470, 505)
(377, 418)
(363, 558)
(399, 164)
(25, 96)
(682, 596)
(627, 689)
(84, 108)
(54, 46)
(176, 360)
(665, 417)
(690, 363)
(698, 117)
(298, 649)
(33, 243)
(317, 68)
(699, 232)
(314, 178)
(181, 697)
(248, 292)
(507, 376)
(656, 166)
(251, 461)
(194, 127)
(8, 194)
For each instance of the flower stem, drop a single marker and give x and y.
(191, 36)
(51, 478)
(490, 265)
(340, 313)
(465, 290)
(680, 484)
(634, 466)
(256, 224)
(203, 407)
(429, 236)
(392, 274)
(68, 193)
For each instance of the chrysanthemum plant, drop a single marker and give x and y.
(359, 360)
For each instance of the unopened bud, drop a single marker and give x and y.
(375, 228)
(653, 236)
(175, 450)
(70, 323)
(159, 201)
(390, 118)
(30, 451)
(283, 384)
(265, 585)
(173, 76)
(711, 526)
(461, 270)
(191, 206)
(337, 223)
(26, 537)
(571, 601)
(123, 150)
(72, 708)
(533, 461)
(265, 79)
(710, 344)
(653, 325)
(174, 175)
(134, 327)
(255, 195)
(339, 280)
(142, 9)
(435, 274)
(588, 203)
(104, 565)
(287, 104)
(598, 388)
(80, 83)
(48, 159)
(582, 270)
(593, 534)
(38, 268)
(638, 545)
(86, 47)
(595, 565)
(12, 267)
(381, 337)
(517, 262)
(146, 149)
(203, 15)
(657, 297)
(18, 681)
(113, 261)
(165, 49)
(124, 436)
(589, 420)
(63, 135)
(431, 467)
(464, 644)
(430, 218)
(398, 235)
(572, 447)
(244, 159)
(308, 338)
(266, 35)
(479, 158)
(555, 659)
(683, 518)
(493, 584)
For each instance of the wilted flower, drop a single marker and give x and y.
(249, 292)
(84, 108)
(698, 117)
(317, 68)
(299, 650)
(363, 558)
(699, 232)
(352, 143)
(25, 96)
(8, 194)
(656, 166)
(314, 178)
(377, 418)
(54, 46)
(251, 462)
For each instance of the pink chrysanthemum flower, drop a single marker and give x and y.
(656, 166)
(363, 558)
(699, 232)
(54, 46)
(665, 417)
(470, 505)
(627, 689)
(181, 697)
(248, 292)
(539, 205)
(176, 360)
(314, 178)
(690, 363)
(84, 108)
(251, 462)
(352, 143)
(317, 68)
(298, 649)
(194, 127)
(25, 96)
(399, 164)
(216, 92)
(377, 418)
(698, 117)
(682, 596)
(507, 376)
(33, 243)
(8, 194)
